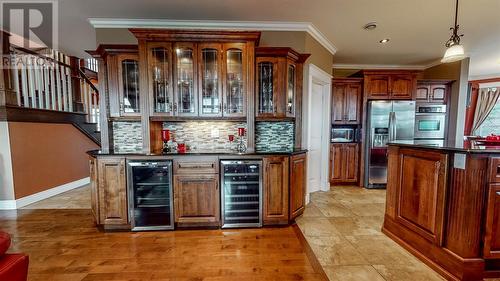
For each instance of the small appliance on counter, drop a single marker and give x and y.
(241, 193)
(345, 134)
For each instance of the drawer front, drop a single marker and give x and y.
(196, 165)
(494, 170)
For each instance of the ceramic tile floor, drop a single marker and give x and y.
(343, 228)
(78, 198)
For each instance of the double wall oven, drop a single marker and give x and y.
(430, 124)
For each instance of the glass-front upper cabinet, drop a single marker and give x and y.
(290, 90)
(185, 86)
(210, 87)
(160, 78)
(234, 99)
(128, 84)
(267, 86)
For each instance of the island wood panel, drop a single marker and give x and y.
(94, 199)
(459, 226)
(465, 208)
(196, 199)
(112, 191)
(492, 227)
(420, 199)
(298, 177)
(275, 190)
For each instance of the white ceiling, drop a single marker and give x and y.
(417, 29)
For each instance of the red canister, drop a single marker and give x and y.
(165, 135)
(241, 132)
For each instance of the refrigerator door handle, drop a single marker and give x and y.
(391, 126)
(394, 126)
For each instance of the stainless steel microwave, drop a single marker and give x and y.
(344, 134)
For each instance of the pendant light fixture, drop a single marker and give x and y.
(455, 51)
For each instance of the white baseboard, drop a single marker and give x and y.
(21, 202)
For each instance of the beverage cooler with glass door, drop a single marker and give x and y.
(241, 194)
(150, 194)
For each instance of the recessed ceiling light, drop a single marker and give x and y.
(384, 41)
(370, 26)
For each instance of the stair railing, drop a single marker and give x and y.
(53, 81)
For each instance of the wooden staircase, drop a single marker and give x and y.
(55, 91)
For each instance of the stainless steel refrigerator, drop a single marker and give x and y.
(387, 121)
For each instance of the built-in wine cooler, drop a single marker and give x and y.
(150, 195)
(241, 193)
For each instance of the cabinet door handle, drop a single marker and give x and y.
(224, 108)
(275, 109)
(220, 107)
(175, 107)
(121, 107)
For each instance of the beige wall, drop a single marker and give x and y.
(47, 155)
(457, 71)
(300, 41)
(320, 56)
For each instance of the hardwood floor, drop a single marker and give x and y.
(64, 245)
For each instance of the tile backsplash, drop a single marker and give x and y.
(274, 136)
(127, 137)
(206, 135)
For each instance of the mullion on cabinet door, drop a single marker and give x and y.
(160, 78)
(266, 86)
(185, 102)
(128, 77)
(210, 87)
(290, 89)
(235, 72)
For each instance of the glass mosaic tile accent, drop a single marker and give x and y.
(127, 137)
(274, 136)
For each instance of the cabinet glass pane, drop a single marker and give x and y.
(210, 103)
(160, 66)
(185, 80)
(235, 88)
(265, 76)
(290, 100)
(130, 78)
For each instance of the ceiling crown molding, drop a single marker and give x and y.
(220, 25)
(377, 66)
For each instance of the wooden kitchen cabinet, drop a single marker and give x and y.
(390, 84)
(196, 200)
(492, 235)
(278, 82)
(433, 91)
(122, 79)
(344, 163)
(298, 178)
(346, 101)
(275, 209)
(112, 190)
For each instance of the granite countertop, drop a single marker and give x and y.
(466, 147)
(195, 153)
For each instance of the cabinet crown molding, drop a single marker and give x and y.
(281, 52)
(155, 34)
(103, 50)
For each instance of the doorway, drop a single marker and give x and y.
(317, 127)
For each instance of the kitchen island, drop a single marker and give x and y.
(443, 205)
(194, 181)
